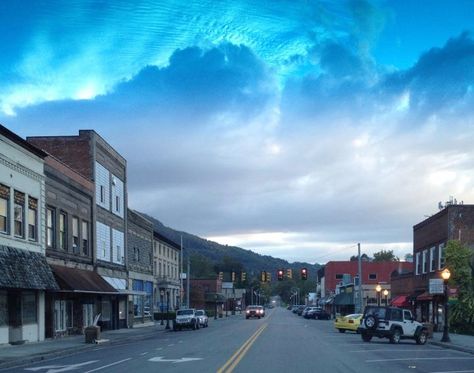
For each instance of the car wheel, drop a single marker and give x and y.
(371, 322)
(422, 337)
(395, 337)
(366, 337)
(194, 326)
(198, 325)
(342, 330)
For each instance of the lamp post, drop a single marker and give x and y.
(162, 292)
(378, 289)
(385, 293)
(215, 306)
(167, 309)
(446, 274)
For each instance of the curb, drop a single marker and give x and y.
(21, 361)
(453, 347)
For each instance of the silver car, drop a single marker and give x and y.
(202, 317)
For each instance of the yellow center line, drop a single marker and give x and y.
(237, 360)
(242, 350)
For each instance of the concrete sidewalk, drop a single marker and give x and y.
(11, 356)
(459, 342)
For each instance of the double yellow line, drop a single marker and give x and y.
(230, 365)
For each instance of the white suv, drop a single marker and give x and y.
(186, 318)
(392, 323)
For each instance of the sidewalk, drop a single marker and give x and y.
(459, 342)
(36, 351)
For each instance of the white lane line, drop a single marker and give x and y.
(455, 371)
(421, 358)
(143, 353)
(159, 348)
(385, 350)
(171, 344)
(109, 365)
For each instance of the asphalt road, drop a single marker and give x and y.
(280, 342)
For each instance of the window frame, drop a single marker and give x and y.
(372, 276)
(417, 263)
(441, 255)
(33, 228)
(76, 248)
(51, 230)
(63, 244)
(19, 195)
(85, 237)
(432, 259)
(424, 267)
(5, 196)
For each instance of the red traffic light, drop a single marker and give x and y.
(304, 274)
(280, 274)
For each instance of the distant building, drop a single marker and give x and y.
(166, 270)
(207, 294)
(140, 265)
(24, 272)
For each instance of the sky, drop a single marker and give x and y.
(294, 128)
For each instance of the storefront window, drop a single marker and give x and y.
(137, 285)
(29, 308)
(122, 310)
(3, 309)
(106, 310)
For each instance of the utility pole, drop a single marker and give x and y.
(188, 278)
(181, 269)
(360, 278)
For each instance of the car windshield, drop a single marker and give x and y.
(199, 313)
(184, 312)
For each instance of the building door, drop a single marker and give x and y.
(87, 315)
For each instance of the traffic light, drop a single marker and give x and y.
(233, 276)
(289, 273)
(269, 277)
(263, 276)
(304, 274)
(280, 275)
(243, 276)
(221, 276)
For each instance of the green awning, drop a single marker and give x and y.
(344, 299)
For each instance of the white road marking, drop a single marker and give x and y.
(421, 358)
(171, 345)
(143, 353)
(455, 371)
(160, 359)
(108, 365)
(394, 350)
(61, 368)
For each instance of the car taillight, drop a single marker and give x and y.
(351, 321)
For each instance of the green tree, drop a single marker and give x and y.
(459, 260)
(385, 256)
(201, 267)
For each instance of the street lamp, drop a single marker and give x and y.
(215, 306)
(378, 289)
(167, 309)
(446, 274)
(162, 292)
(385, 293)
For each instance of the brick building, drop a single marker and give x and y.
(207, 294)
(140, 265)
(430, 237)
(91, 156)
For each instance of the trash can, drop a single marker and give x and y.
(429, 327)
(92, 334)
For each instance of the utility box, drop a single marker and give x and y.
(92, 334)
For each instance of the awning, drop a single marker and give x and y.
(120, 285)
(344, 299)
(23, 269)
(424, 297)
(81, 281)
(400, 301)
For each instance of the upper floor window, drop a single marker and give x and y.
(4, 208)
(432, 259)
(32, 218)
(425, 261)
(102, 189)
(441, 256)
(85, 238)
(339, 276)
(418, 264)
(372, 276)
(19, 214)
(63, 231)
(50, 227)
(117, 196)
(75, 235)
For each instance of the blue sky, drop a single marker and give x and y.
(292, 128)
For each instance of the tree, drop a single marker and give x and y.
(201, 267)
(364, 257)
(385, 256)
(409, 257)
(459, 260)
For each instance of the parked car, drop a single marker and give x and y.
(309, 311)
(349, 322)
(305, 310)
(392, 323)
(202, 317)
(186, 318)
(254, 311)
(300, 309)
(320, 314)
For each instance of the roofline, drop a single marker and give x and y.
(445, 210)
(22, 142)
(165, 239)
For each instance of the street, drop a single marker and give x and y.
(280, 342)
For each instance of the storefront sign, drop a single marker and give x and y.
(436, 286)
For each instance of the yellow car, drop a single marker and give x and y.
(348, 322)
